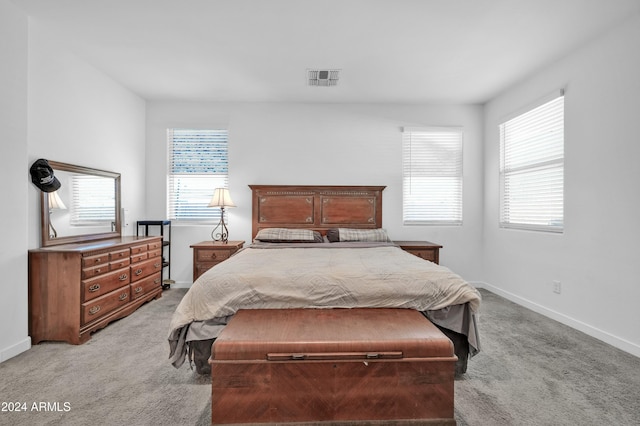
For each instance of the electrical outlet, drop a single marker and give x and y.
(557, 287)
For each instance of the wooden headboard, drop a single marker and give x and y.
(316, 207)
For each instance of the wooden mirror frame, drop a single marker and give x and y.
(44, 211)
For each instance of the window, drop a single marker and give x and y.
(532, 169)
(432, 176)
(198, 163)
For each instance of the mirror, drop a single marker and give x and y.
(85, 208)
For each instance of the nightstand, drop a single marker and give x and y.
(207, 254)
(423, 249)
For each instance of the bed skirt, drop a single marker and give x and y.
(456, 322)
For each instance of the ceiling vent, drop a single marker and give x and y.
(323, 77)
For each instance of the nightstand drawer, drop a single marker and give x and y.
(202, 267)
(429, 255)
(212, 255)
(423, 249)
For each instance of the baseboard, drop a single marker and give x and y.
(587, 329)
(182, 284)
(16, 349)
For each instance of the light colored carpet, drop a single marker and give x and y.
(532, 371)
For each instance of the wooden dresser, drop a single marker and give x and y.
(423, 249)
(76, 289)
(207, 254)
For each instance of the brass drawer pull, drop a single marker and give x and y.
(94, 310)
(123, 277)
(138, 271)
(213, 255)
(138, 290)
(156, 281)
(333, 356)
(94, 288)
(123, 296)
(157, 265)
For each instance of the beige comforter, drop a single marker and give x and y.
(377, 277)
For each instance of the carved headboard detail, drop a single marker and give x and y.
(316, 207)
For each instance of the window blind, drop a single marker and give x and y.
(198, 163)
(532, 169)
(98, 200)
(432, 176)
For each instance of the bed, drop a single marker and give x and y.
(321, 247)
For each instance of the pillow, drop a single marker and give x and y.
(352, 234)
(287, 235)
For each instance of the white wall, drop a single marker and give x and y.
(60, 108)
(80, 116)
(332, 144)
(596, 257)
(15, 174)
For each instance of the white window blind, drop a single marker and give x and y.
(98, 200)
(432, 176)
(532, 169)
(198, 163)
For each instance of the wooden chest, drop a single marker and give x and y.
(332, 365)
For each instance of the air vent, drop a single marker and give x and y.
(323, 77)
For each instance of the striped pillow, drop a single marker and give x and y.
(365, 235)
(288, 235)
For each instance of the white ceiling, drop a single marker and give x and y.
(426, 51)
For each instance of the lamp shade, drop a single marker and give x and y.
(221, 198)
(55, 203)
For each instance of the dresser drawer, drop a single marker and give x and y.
(94, 271)
(94, 287)
(95, 260)
(146, 268)
(155, 253)
(154, 245)
(145, 285)
(97, 308)
(118, 264)
(139, 249)
(139, 257)
(119, 254)
(101, 263)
